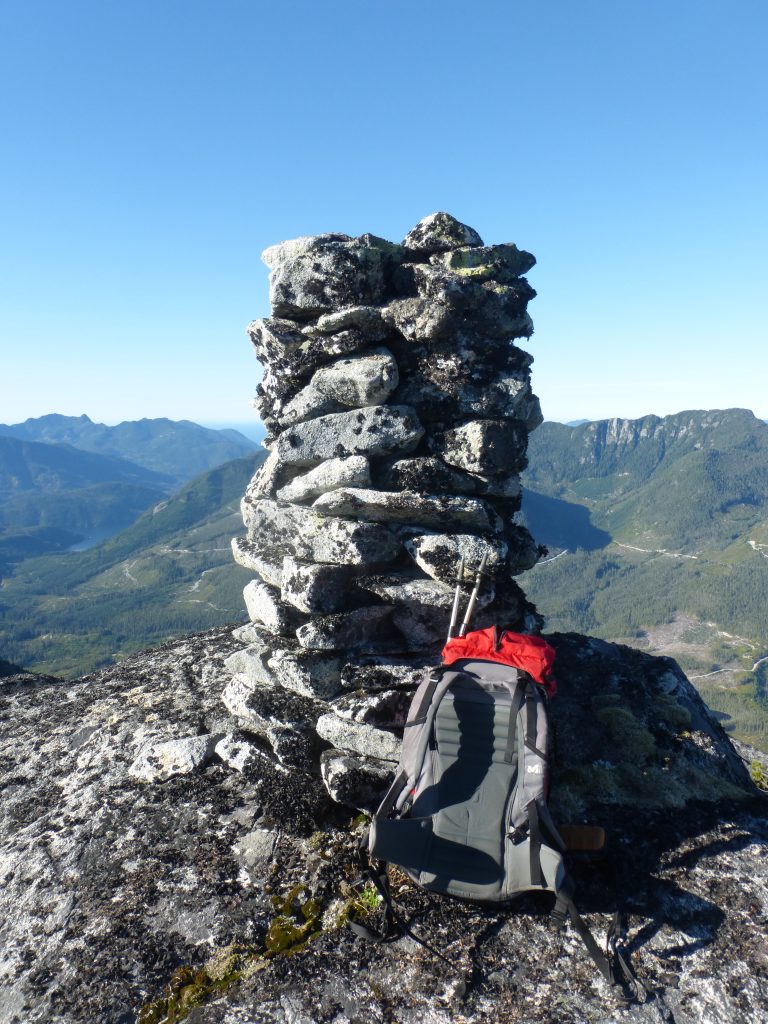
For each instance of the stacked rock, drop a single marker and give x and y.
(398, 411)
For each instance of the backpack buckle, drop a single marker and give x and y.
(518, 835)
(558, 918)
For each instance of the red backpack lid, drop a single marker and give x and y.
(529, 653)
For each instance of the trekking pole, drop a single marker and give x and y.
(473, 598)
(456, 599)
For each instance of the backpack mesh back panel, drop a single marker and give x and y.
(467, 814)
(474, 767)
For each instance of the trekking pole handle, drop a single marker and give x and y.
(456, 599)
(473, 599)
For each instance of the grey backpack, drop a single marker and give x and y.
(466, 814)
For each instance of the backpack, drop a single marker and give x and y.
(466, 814)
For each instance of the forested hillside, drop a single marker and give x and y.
(171, 572)
(179, 449)
(67, 482)
(655, 521)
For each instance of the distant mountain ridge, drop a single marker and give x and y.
(638, 477)
(648, 521)
(558, 452)
(179, 449)
(32, 466)
(65, 480)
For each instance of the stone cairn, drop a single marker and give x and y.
(398, 410)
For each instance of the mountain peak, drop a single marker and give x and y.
(179, 449)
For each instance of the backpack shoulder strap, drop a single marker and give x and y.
(565, 908)
(417, 728)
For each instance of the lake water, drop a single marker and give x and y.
(97, 537)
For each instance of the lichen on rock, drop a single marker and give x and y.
(398, 406)
(120, 893)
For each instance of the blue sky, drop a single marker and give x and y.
(151, 150)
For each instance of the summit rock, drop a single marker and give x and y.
(440, 232)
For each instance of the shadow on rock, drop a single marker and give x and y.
(638, 753)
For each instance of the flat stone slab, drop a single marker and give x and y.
(358, 737)
(362, 380)
(254, 851)
(290, 354)
(387, 709)
(440, 555)
(307, 404)
(367, 319)
(426, 474)
(251, 557)
(277, 341)
(265, 479)
(485, 447)
(376, 673)
(264, 605)
(492, 310)
(435, 510)
(374, 430)
(404, 590)
(440, 232)
(422, 608)
(251, 662)
(361, 629)
(419, 319)
(279, 253)
(523, 550)
(352, 471)
(308, 673)
(503, 263)
(318, 589)
(240, 754)
(504, 486)
(355, 780)
(465, 359)
(284, 719)
(251, 633)
(279, 661)
(439, 396)
(312, 537)
(321, 279)
(290, 357)
(160, 761)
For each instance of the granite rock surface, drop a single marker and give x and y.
(120, 888)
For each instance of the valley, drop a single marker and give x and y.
(67, 483)
(168, 574)
(656, 529)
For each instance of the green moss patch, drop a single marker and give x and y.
(629, 739)
(672, 712)
(759, 775)
(299, 919)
